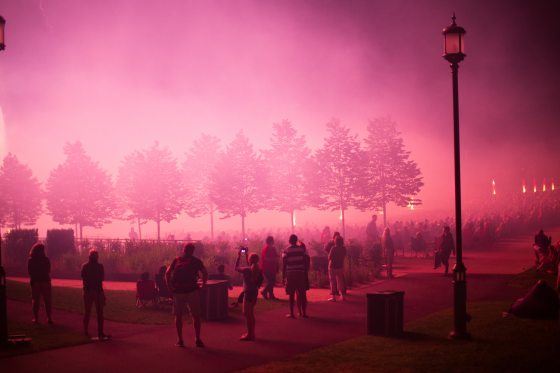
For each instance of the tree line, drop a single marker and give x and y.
(235, 180)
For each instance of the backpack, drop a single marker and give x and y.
(184, 277)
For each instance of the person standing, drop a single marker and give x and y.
(371, 231)
(39, 269)
(93, 275)
(132, 235)
(329, 245)
(269, 267)
(389, 250)
(252, 280)
(337, 254)
(447, 246)
(293, 275)
(182, 280)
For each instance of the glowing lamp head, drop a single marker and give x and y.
(2, 34)
(454, 42)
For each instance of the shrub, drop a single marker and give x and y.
(72, 261)
(60, 242)
(18, 244)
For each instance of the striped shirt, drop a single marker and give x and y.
(293, 259)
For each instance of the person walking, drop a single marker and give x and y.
(269, 265)
(337, 254)
(446, 247)
(293, 275)
(39, 269)
(389, 250)
(93, 275)
(252, 281)
(182, 280)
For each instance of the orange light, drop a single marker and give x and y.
(534, 186)
(524, 189)
(552, 184)
(544, 184)
(493, 187)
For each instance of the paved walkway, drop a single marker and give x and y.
(140, 348)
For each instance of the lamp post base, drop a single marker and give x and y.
(460, 315)
(458, 336)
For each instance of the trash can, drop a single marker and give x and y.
(214, 300)
(385, 313)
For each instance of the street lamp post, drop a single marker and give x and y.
(3, 301)
(454, 48)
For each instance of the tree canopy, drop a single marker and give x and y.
(288, 161)
(80, 192)
(20, 194)
(199, 165)
(390, 175)
(150, 185)
(339, 170)
(240, 181)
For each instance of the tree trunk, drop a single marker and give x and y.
(384, 213)
(81, 233)
(343, 223)
(212, 222)
(243, 226)
(292, 221)
(139, 229)
(158, 230)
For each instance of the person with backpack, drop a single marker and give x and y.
(252, 281)
(182, 279)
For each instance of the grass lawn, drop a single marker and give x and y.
(45, 337)
(498, 344)
(121, 304)
(530, 277)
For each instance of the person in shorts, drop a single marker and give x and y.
(293, 274)
(252, 281)
(182, 279)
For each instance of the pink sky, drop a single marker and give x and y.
(119, 75)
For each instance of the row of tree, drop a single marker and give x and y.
(235, 181)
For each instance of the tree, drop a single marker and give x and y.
(79, 192)
(339, 170)
(20, 194)
(288, 160)
(150, 185)
(391, 176)
(239, 182)
(201, 160)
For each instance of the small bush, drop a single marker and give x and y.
(60, 242)
(72, 261)
(18, 244)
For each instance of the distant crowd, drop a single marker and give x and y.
(182, 281)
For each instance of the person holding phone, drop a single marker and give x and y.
(252, 281)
